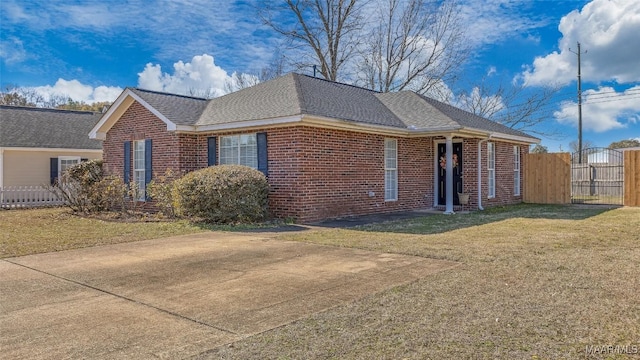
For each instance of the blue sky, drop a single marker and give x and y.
(91, 50)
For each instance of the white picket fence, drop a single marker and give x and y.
(27, 196)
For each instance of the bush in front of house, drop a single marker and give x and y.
(76, 185)
(85, 188)
(222, 194)
(160, 190)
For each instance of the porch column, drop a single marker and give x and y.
(449, 173)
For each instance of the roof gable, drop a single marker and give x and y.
(178, 109)
(47, 128)
(172, 109)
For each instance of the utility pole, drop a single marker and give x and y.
(579, 105)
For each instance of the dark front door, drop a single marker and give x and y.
(442, 173)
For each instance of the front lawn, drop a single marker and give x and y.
(24, 232)
(535, 282)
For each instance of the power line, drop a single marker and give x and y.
(606, 101)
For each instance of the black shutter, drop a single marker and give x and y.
(127, 162)
(84, 160)
(212, 151)
(53, 170)
(262, 153)
(148, 168)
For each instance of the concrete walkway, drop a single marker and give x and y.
(180, 296)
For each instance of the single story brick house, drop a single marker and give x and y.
(328, 149)
(37, 145)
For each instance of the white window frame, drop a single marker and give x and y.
(244, 151)
(64, 159)
(390, 169)
(516, 170)
(139, 172)
(491, 170)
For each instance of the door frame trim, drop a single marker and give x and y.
(436, 186)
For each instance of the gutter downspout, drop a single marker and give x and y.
(1, 167)
(480, 170)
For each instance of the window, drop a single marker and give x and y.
(65, 162)
(390, 169)
(139, 168)
(516, 170)
(491, 169)
(239, 150)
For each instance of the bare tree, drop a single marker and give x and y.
(517, 106)
(416, 45)
(23, 96)
(239, 81)
(586, 144)
(328, 28)
(208, 93)
(539, 149)
(625, 144)
(275, 68)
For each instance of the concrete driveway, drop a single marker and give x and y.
(180, 296)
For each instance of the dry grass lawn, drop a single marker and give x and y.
(536, 282)
(32, 231)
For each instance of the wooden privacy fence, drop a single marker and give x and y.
(547, 178)
(632, 178)
(27, 196)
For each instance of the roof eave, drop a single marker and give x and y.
(515, 138)
(341, 124)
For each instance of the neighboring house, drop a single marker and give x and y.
(328, 149)
(37, 144)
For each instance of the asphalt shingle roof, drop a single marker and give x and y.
(415, 112)
(471, 120)
(270, 99)
(47, 128)
(179, 109)
(295, 94)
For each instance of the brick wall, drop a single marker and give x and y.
(504, 174)
(138, 123)
(318, 173)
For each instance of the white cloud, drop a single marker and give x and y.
(490, 21)
(12, 50)
(603, 109)
(608, 32)
(199, 77)
(78, 91)
(226, 27)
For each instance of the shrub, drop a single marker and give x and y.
(76, 186)
(85, 188)
(222, 194)
(160, 190)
